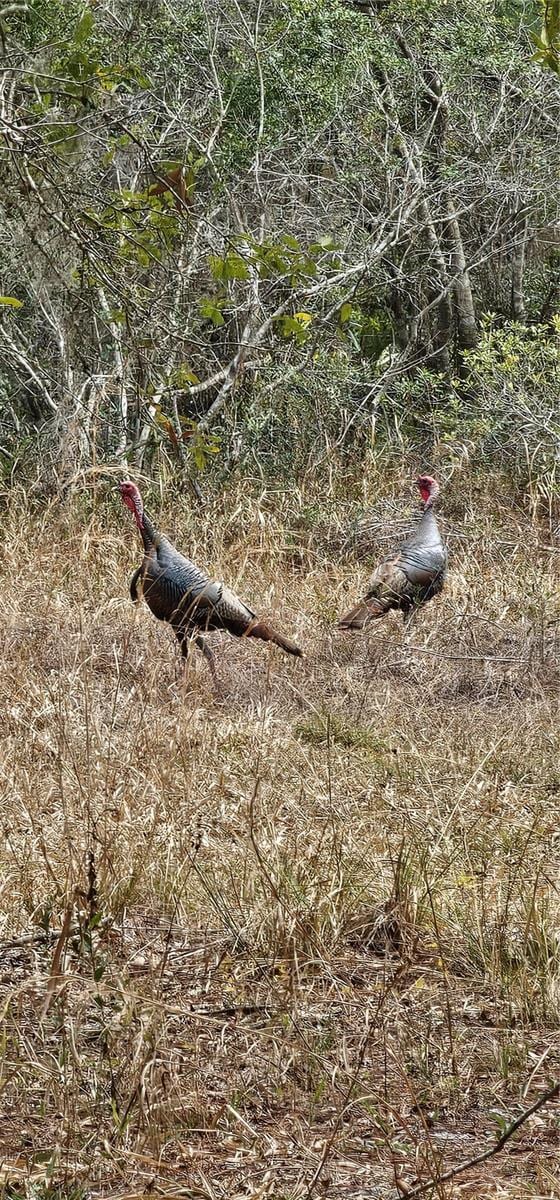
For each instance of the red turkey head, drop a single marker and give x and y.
(133, 500)
(428, 487)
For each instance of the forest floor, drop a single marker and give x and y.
(302, 940)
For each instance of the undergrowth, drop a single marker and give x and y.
(303, 938)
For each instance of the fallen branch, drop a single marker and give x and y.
(29, 939)
(551, 1094)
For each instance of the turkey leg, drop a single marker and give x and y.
(205, 648)
(185, 642)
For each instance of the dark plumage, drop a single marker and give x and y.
(412, 574)
(178, 591)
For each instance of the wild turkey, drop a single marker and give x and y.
(176, 590)
(412, 574)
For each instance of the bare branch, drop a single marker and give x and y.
(551, 1094)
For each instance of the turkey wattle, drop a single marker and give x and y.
(412, 574)
(178, 591)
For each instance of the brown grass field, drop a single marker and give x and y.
(303, 940)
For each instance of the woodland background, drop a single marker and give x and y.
(270, 259)
(279, 235)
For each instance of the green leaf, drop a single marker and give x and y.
(62, 137)
(216, 266)
(10, 302)
(139, 77)
(235, 267)
(538, 41)
(84, 27)
(82, 67)
(166, 165)
(183, 376)
(548, 44)
(209, 309)
(231, 266)
(345, 313)
(308, 267)
(327, 242)
(296, 327)
(290, 241)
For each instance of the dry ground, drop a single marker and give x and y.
(303, 940)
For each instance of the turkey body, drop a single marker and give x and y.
(409, 577)
(176, 590)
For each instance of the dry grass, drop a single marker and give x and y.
(310, 933)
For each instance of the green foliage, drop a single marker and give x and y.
(182, 376)
(296, 327)
(210, 308)
(515, 372)
(547, 53)
(291, 168)
(52, 18)
(504, 408)
(370, 332)
(148, 228)
(309, 58)
(231, 266)
(281, 259)
(203, 447)
(81, 67)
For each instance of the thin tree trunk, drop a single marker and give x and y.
(518, 266)
(467, 332)
(443, 333)
(397, 304)
(120, 375)
(412, 157)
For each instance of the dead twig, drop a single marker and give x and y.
(551, 1094)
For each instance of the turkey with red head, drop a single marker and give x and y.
(412, 574)
(178, 591)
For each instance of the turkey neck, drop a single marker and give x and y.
(427, 527)
(148, 532)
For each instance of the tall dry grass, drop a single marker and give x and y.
(303, 940)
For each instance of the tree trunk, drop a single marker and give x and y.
(518, 266)
(443, 332)
(467, 332)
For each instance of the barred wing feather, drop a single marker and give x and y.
(178, 591)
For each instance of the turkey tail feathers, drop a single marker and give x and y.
(265, 632)
(361, 614)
